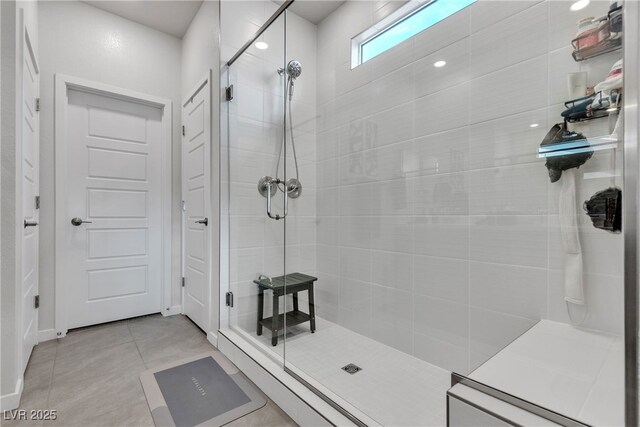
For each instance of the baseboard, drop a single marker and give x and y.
(12, 400)
(47, 335)
(213, 339)
(176, 309)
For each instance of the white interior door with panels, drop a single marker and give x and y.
(196, 193)
(29, 166)
(113, 204)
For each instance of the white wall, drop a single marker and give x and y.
(200, 53)
(82, 41)
(200, 46)
(10, 364)
(437, 224)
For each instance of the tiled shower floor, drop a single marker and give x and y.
(393, 388)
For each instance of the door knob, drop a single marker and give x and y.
(28, 223)
(78, 221)
(203, 221)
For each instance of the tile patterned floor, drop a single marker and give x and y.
(91, 376)
(393, 388)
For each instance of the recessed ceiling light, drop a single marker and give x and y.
(261, 45)
(579, 5)
(439, 64)
(534, 125)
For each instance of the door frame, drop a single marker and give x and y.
(205, 79)
(62, 84)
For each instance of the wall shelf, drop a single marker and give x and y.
(611, 44)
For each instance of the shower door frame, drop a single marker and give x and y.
(630, 218)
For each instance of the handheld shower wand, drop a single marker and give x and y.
(293, 187)
(294, 69)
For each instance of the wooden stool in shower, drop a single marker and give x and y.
(295, 282)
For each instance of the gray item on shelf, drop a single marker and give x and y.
(605, 209)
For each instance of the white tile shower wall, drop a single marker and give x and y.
(437, 228)
(257, 243)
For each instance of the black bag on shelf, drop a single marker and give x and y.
(564, 150)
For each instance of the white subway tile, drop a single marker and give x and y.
(392, 270)
(442, 236)
(509, 190)
(491, 331)
(507, 140)
(443, 34)
(516, 290)
(430, 79)
(440, 353)
(391, 197)
(516, 89)
(512, 40)
(443, 194)
(391, 126)
(444, 278)
(444, 152)
(486, 13)
(518, 240)
(444, 110)
(355, 264)
(355, 231)
(392, 317)
(442, 320)
(392, 233)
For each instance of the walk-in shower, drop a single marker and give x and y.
(442, 223)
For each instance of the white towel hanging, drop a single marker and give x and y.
(573, 276)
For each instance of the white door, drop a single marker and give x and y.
(30, 186)
(113, 199)
(196, 190)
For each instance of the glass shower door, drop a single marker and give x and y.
(257, 204)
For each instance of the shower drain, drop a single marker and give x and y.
(351, 368)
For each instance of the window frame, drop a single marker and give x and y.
(403, 13)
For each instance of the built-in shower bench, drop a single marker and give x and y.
(284, 285)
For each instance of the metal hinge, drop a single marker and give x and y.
(37, 202)
(229, 92)
(183, 131)
(36, 301)
(183, 282)
(37, 104)
(229, 299)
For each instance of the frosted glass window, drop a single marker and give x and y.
(408, 25)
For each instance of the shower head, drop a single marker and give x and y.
(294, 69)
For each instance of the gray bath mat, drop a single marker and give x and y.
(206, 390)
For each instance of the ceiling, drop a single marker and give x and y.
(313, 10)
(171, 17)
(174, 16)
